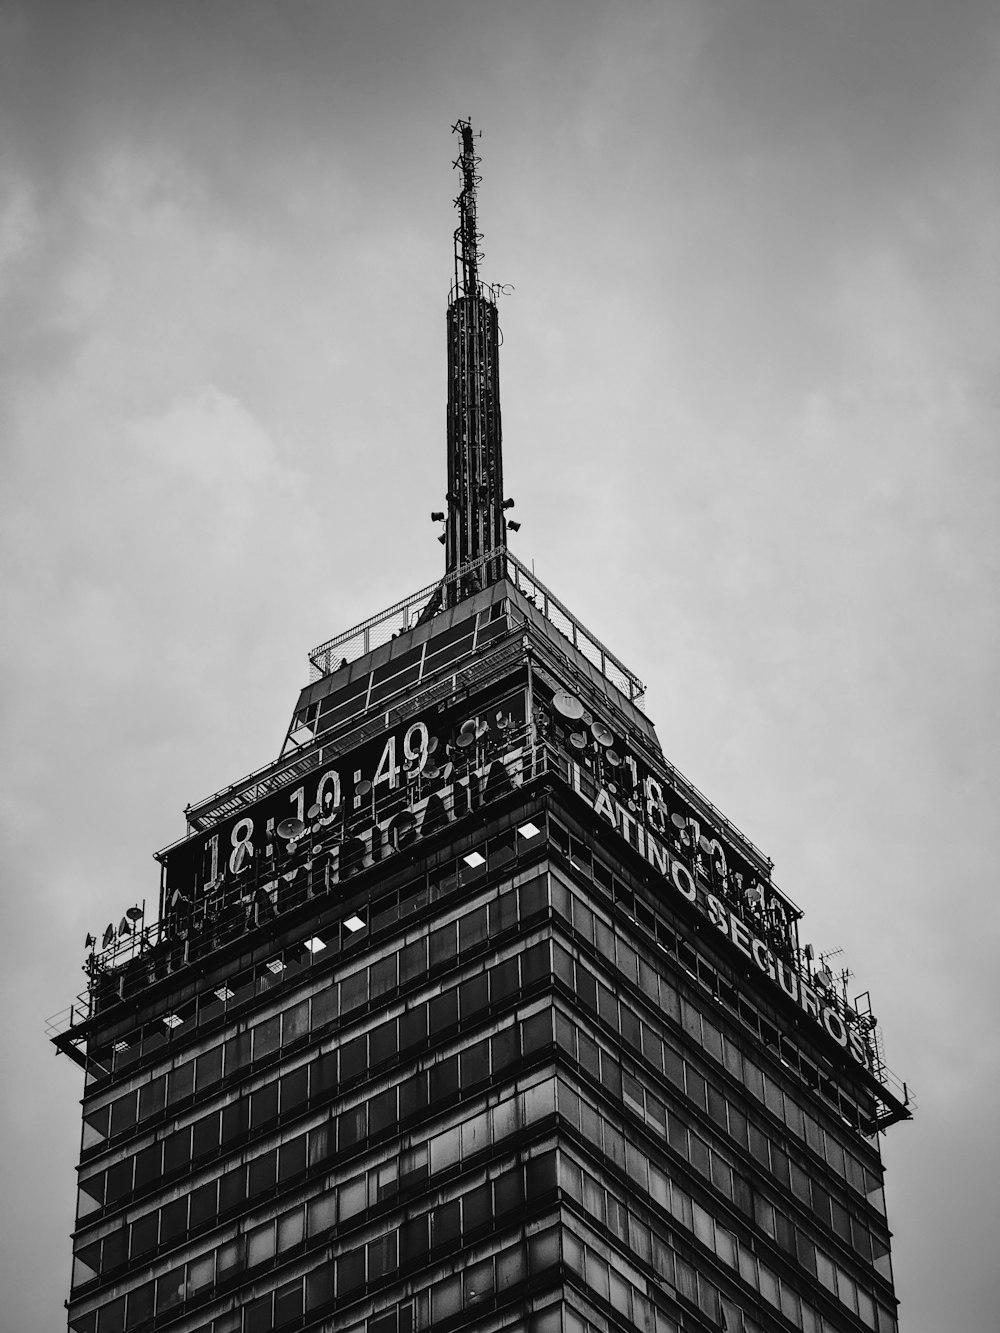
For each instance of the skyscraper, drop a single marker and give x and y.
(470, 1011)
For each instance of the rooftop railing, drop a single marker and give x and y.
(403, 615)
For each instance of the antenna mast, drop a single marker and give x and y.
(475, 525)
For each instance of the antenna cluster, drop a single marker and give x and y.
(467, 234)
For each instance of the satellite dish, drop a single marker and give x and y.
(363, 787)
(678, 821)
(109, 935)
(613, 758)
(134, 913)
(601, 734)
(586, 717)
(432, 744)
(123, 926)
(405, 820)
(705, 844)
(578, 740)
(90, 941)
(315, 810)
(469, 727)
(431, 772)
(290, 829)
(481, 728)
(466, 738)
(567, 704)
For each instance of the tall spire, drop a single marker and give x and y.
(475, 525)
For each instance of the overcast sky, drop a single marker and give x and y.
(750, 406)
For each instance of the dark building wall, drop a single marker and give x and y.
(360, 1118)
(510, 1070)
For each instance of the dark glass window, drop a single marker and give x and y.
(237, 1050)
(412, 1096)
(442, 945)
(473, 929)
(208, 1068)
(319, 1287)
(119, 1181)
(413, 1027)
(382, 976)
(444, 1080)
(206, 1135)
(144, 1235)
(257, 1315)
(235, 1119)
(264, 1106)
(475, 1064)
(505, 1049)
(173, 1221)
(588, 1055)
(382, 1114)
(382, 1044)
(294, 1089)
(295, 1022)
(350, 1271)
(354, 1058)
(140, 1305)
(473, 996)
(292, 1159)
(446, 1223)
(443, 1012)
(354, 991)
(148, 1166)
(288, 1304)
(412, 961)
(352, 1126)
(123, 1113)
(263, 1173)
(203, 1206)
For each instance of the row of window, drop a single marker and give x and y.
(335, 1281)
(718, 1167)
(613, 1212)
(445, 1081)
(567, 902)
(446, 1228)
(662, 929)
(275, 1035)
(513, 903)
(341, 1205)
(431, 1020)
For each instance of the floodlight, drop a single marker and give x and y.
(529, 830)
(354, 923)
(275, 965)
(315, 944)
(173, 1020)
(474, 859)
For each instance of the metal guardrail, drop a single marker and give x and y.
(403, 615)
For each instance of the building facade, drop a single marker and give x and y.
(470, 1011)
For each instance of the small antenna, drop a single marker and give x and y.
(467, 235)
